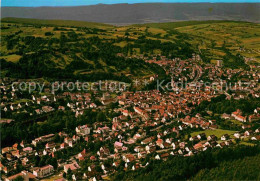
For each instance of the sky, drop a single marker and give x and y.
(36, 3)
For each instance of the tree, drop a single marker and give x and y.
(101, 117)
(48, 33)
(69, 174)
(19, 178)
(54, 163)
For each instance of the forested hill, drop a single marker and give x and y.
(41, 49)
(92, 51)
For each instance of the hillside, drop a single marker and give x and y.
(123, 14)
(56, 22)
(33, 49)
(224, 39)
(219, 39)
(70, 49)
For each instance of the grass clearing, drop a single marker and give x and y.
(246, 143)
(11, 58)
(216, 132)
(121, 44)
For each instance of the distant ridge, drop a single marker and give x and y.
(55, 22)
(123, 14)
(71, 23)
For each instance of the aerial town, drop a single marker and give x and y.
(139, 90)
(102, 132)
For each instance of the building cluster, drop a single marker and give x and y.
(147, 125)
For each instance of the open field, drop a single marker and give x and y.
(217, 132)
(12, 58)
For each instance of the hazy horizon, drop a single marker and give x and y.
(39, 3)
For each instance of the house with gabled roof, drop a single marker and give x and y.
(24, 174)
(72, 166)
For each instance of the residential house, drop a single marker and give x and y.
(71, 166)
(43, 171)
(224, 137)
(212, 138)
(238, 116)
(24, 174)
(83, 130)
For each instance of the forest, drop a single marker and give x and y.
(221, 105)
(211, 163)
(246, 168)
